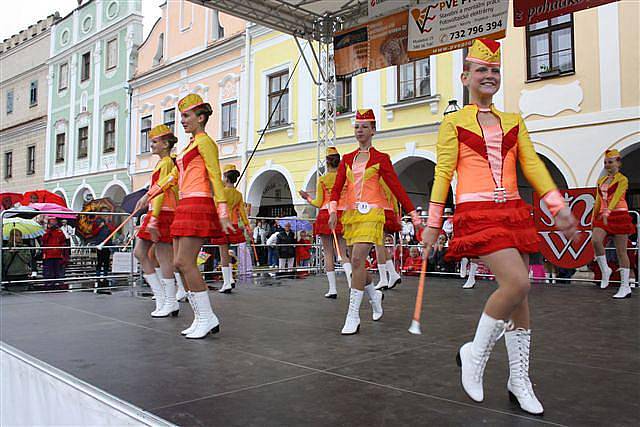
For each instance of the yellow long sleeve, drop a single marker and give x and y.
(319, 200)
(447, 152)
(621, 189)
(169, 180)
(243, 213)
(209, 151)
(533, 168)
(165, 167)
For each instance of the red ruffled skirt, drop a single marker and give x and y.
(233, 238)
(482, 228)
(321, 226)
(164, 227)
(619, 222)
(391, 222)
(196, 217)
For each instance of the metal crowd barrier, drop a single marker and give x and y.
(420, 247)
(83, 253)
(132, 275)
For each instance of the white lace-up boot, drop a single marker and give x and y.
(473, 356)
(158, 291)
(518, 344)
(181, 294)
(226, 281)
(394, 278)
(348, 271)
(605, 270)
(384, 281)
(333, 293)
(624, 291)
(207, 321)
(191, 328)
(352, 322)
(170, 306)
(463, 267)
(471, 280)
(375, 299)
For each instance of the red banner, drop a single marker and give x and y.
(556, 247)
(531, 11)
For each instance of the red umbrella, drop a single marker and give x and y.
(43, 196)
(9, 199)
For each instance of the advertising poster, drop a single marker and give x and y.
(376, 8)
(442, 26)
(531, 11)
(351, 52)
(388, 41)
(556, 247)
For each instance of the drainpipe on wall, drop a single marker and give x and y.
(246, 91)
(128, 140)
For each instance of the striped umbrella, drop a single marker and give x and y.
(28, 227)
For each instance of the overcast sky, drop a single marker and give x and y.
(17, 15)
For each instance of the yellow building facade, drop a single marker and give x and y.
(578, 92)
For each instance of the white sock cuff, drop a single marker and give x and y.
(390, 265)
(169, 281)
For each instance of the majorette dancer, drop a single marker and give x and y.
(363, 218)
(491, 222)
(158, 272)
(389, 277)
(237, 212)
(197, 219)
(324, 185)
(611, 216)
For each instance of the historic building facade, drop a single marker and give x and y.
(23, 112)
(92, 56)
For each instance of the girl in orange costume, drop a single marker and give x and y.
(321, 228)
(197, 217)
(611, 216)
(237, 212)
(156, 229)
(491, 222)
(363, 219)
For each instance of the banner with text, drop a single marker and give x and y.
(556, 247)
(446, 25)
(531, 11)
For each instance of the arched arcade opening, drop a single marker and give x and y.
(270, 195)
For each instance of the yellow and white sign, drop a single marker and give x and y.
(445, 25)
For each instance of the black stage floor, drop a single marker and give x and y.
(280, 360)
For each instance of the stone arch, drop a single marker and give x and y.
(79, 196)
(115, 190)
(272, 192)
(526, 190)
(415, 170)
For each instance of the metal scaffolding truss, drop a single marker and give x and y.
(300, 18)
(315, 21)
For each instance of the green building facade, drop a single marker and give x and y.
(93, 55)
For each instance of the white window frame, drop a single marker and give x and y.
(31, 149)
(150, 117)
(264, 113)
(104, 135)
(183, 14)
(223, 103)
(66, 79)
(9, 106)
(33, 103)
(57, 160)
(115, 56)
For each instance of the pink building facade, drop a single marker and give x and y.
(190, 49)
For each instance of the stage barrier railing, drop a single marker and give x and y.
(128, 269)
